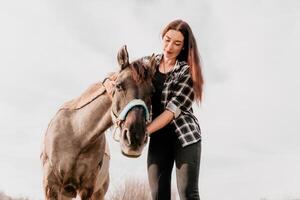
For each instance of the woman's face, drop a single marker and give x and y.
(172, 44)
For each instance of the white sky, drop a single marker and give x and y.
(51, 51)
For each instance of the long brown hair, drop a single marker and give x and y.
(189, 54)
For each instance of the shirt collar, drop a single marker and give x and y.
(159, 59)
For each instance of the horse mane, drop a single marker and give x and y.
(140, 71)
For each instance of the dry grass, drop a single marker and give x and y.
(132, 190)
(5, 197)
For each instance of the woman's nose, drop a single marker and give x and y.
(169, 47)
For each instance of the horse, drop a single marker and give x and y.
(75, 156)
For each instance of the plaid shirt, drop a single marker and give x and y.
(177, 97)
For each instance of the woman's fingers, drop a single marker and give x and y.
(109, 85)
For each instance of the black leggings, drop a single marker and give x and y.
(164, 150)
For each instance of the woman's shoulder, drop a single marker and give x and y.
(158, 58)
(181, 66)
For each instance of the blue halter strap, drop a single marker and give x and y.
(128, 107)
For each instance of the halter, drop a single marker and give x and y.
(118, 119)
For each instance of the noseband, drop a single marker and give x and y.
(117, 120)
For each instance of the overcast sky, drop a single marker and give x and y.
(51, 51)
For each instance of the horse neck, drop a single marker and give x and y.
(95, 118)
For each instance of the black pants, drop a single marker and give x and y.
(164, 150)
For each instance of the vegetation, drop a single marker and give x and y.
(132, 189)
(5, 197)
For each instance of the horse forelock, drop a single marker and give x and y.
(140, 72)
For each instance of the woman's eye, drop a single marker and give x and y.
(167, 40)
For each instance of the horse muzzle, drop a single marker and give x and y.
(69, 190)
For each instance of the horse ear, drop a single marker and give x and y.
(123, 58)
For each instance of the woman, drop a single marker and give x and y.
(175, 131)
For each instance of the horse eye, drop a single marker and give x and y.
(119, 86)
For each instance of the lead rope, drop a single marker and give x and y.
(116, 128)
(115, 136)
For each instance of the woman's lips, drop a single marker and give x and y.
(168, 53)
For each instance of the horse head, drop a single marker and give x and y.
(132, 102)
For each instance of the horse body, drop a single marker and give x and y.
(74, 151)
(75, 154)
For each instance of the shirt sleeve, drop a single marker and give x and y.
(183, 97)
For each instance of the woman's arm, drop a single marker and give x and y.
(161, 121)
(182, 100)
(109, 83)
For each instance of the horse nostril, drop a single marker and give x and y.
(146, 139)
(70, 190)
(126, 136)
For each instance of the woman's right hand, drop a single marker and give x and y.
(109, 86)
